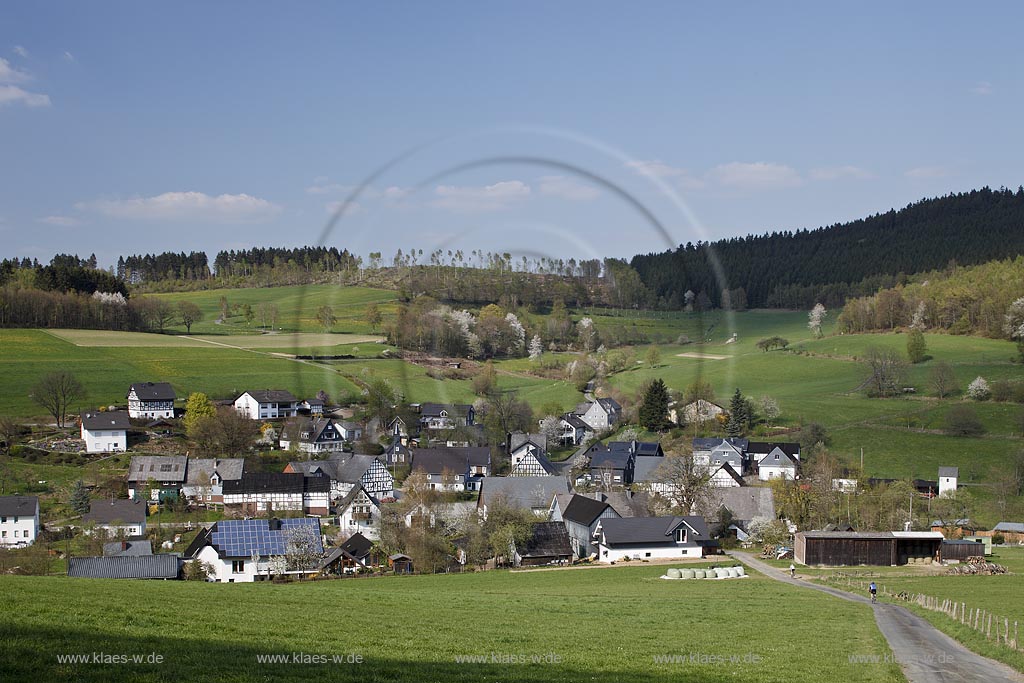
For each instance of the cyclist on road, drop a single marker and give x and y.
(874, 590)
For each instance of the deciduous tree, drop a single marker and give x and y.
(56, 391)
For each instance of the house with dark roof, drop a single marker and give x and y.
(128, 547)
(581, 515)
(165, 567)
(529, 456)
(459, 468)
(267, 404)
(397, 454)
(725, 476)
(19, 521)
(640, 538)
(116, 516)
(246, 550)
(105, 431)
(712, 453)
(318, 435)
(441, 416)
(313, 407)
(600, 414)
(696, 412)
(344, 471)
(548, 544)
(357, 552)
(264, 493)
(152, 400)
(359, 513)
(159, 476)
(774, 460)
(205, 477)
(574, 430)
(525, 493)
(948, 477)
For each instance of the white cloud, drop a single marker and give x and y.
(60, 221)
(927, 172)
(10, 94)
(20, 51)
(68, 57)
(840, 172)
(655, 168)
(170, 206)
(755, 176)
(321, 185)
(567, 188)
(353, 208)
(10, 74)
(469, 199)
(982, 88)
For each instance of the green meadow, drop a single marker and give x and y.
(602, 624)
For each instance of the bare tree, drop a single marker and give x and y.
(942, 379)
(885, 372)
(189, 313)
(686, 482)
(56, 391)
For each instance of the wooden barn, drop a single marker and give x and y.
(877, 548)
(960, 550)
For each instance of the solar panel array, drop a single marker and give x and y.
(239, 538)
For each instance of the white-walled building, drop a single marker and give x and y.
(247, 550)
(105, 432)
(948, 480)
(19, 521)
(267, 404)
(151, 400)
(649, 538)
(117, 516)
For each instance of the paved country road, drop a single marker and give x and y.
(926, 654)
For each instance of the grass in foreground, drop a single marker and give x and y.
(601, 624)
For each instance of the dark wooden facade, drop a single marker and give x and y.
(961, 550)
(840, 548)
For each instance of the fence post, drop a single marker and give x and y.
(988, 628)
(962, 607)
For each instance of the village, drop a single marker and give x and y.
(432, 499)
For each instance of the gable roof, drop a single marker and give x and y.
(584, 510)
(313, 429)
(542, 460)
(517, 439)
(226, 468)
(153, 391)
(453, 409)
(357, 545)
(777, 458)
(522, 492)
(651, 530)
(111, 419)
(949, 472)
(574, 421)
(456, 459)
(645, 468)
(352, 468)
(157, 467)
(18, 506)
(729, 471)
(270, 396)
(712, 443)
(609, 405)
(265, 537)
(1012, 527)
(276, 482)
(128, 548)
(549, 539)
(351, 496)
(745, 503)
(115, 511)
(612, 460)
(125, 567)
(765, 447)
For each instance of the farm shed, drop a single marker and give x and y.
(961, 550)
(879, 548)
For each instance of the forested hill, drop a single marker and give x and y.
(831, 264)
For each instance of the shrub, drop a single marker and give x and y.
(979, 389)
(962, 420)
(998, 539)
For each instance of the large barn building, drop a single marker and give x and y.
(878, 548)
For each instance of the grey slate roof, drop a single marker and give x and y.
(132, 548)
(111, 419)
(784, 459)
(612, 460)
(645, 468)
(584, 510)
(549, 539)
(949, 471)
(271, 396)
(357, 545)
(125, 567)
(765, 447)
(517, 439)
(227, 469)
(745, 502)
(651, 448)
(352, 469)
(1012, 527)
(453, 409)
(627, 503)
(117, 510)
(157, 467)
(313, 428)
(522, 492)
(710, 443)
(646, 530)
(153, 391)
(276, 482)
(456, 460)
(576, 423)
(18, 506)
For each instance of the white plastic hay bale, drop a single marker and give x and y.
(733, 574)
(687, 573)
(698, 573)
(739, 570)
(721, 573)
(673, 573)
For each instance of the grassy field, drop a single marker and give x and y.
(284, 342)
(297, 306)
(592, 624)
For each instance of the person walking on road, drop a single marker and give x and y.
(792, 571)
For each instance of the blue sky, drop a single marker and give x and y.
(142, 127)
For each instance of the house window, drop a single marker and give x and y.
(647, 554)
(680, 535)
(238, 566)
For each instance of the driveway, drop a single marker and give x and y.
(925, 654)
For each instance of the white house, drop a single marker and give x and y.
(713, 452)
(151, 400)
(529, 457)
(205, 477)
(117, 516)
(105, 432)
(263, 493)
(725, 477)
(359, 513)
(778, 464)
(581, 516)
(947, 480)
(267, 404)
(156, 477)
(601, 414)
(649, 538)
(318, 435)
(345, 471)
(247, 550)
(453, 469)
(19, 521)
